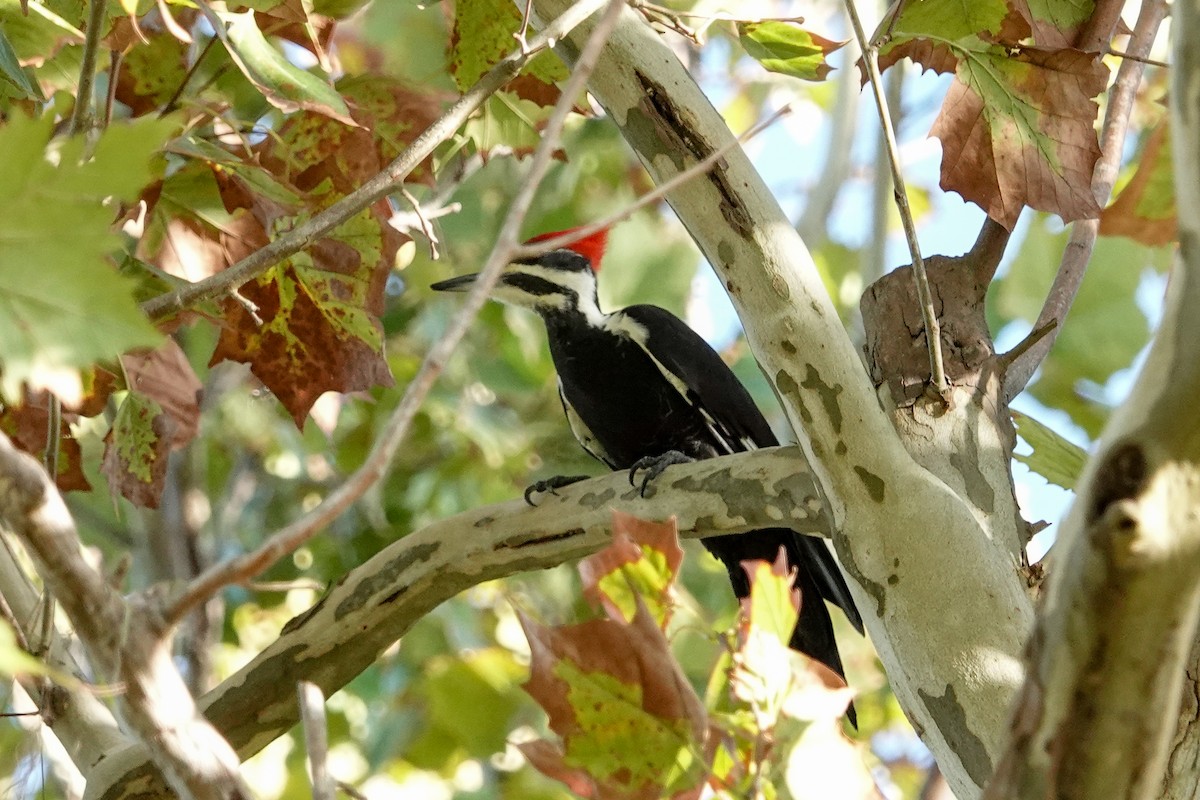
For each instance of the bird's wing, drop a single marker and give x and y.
(696, 370)
(699, 374)
(583, 434)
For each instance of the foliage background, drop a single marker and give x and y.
(436, 717)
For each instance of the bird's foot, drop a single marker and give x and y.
(654, 466)
(550, 484)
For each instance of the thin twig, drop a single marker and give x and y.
(650, 198)
(87, 70)
(1082, 241)
(382, 454)
(1149, 61)
(933, 330)
(377, 187)
(316, 738)
(115, 59)
(170, 105)
(424, 222)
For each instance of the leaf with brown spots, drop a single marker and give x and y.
(317, 326)
(1145, 207)
(1018, 130)
(630, 723)
(483, 34)
(1017, 123)
(642, 562)
(311, 324)
(165, 376)
(136, 450)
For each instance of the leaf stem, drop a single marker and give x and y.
(933, 330)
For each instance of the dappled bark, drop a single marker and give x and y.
(911, 546)
(1113, 652)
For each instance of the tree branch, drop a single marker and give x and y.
(910, 544)
(1095, 716)
(84, 725)
(125, 641)
(1083, 232)
(378, 602)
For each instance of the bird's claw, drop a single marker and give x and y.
(550, 484)
(654, 466)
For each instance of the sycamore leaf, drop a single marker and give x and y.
(282, 83)
(1017, 123)
(165, 376)
(937, 33)
(788, 49)
(1054, 458)
(152, 72)
(508, 123)
(136, 449)
(1056, 23)
(630, 724)
(762, 666)
(317, 326)
(766, 674)
(62, 307)
(1144, 209)
(483, 34)
(641, 562)
(1016, 130)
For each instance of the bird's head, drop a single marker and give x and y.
(561, 280)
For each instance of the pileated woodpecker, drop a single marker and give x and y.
(641, 391)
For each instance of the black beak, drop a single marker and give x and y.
(462, 283)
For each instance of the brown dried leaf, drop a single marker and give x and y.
(28, 426)
(1018, 130)
(1145, 208)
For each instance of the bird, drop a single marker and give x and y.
(642, 391)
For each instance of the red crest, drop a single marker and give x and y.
(590, 247)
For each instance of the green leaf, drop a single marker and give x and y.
(483, 35)
(11, 70)
(507, 121)
(62, 307)
(1054, 458)
(772, 603)
(619, 740)
(788, 49)
(1105, 329)
(37, 35)
(283, 84)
